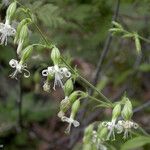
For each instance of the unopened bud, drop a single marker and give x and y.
(61, 114)
(26, 53)
(75, 95)
(127, 110)
(19, 27)
(75, 108)
(55, 55)
(65, 104)
(11, 11)
(102, 131)
(23, 33)
(68, 88)
(116, 111)
(87, 146)
(47, 86)
(88, 133)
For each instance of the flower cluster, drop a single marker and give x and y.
(58, 73)
(21, 35)
(94, 139)
(61, 76)
(121, 126)
(71, 100)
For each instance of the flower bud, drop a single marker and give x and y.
(26, 53)
(11, 11)
(65, 104)
(116, 111)
(55, 55)
(23, 33)
(127, 110)
(88, 133)
(87, 146)
(102, 131)
(75, 108)
(21, 24)
(68, 88)
(75, 95)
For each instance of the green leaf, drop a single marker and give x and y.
(135, 143)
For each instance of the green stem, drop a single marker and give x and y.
(144, 39)
(87, 82)
(97, 100)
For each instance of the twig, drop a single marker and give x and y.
(19, 100)
(105, 49)
(147, 104)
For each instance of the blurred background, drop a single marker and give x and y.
(79, 28)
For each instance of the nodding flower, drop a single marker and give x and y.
(126, 126)
(71, 121)
(98, 142)
(111, 126)
(58, 73)
(6, 30)
(19, 68)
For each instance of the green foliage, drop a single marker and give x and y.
(136, 143)
(49, 14)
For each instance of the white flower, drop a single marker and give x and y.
(98, 142)
(5, 31)
(70, 121)
(111, 126)
(126, 126)
(58, 73)
(19, 68)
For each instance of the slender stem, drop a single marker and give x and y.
(141, 107)
(87, 82)
(141, 37)
(20, 103)
(19, 99)
(105, 50)
(44, 38)
(98, 100)
(144, 39)
(95, 89)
